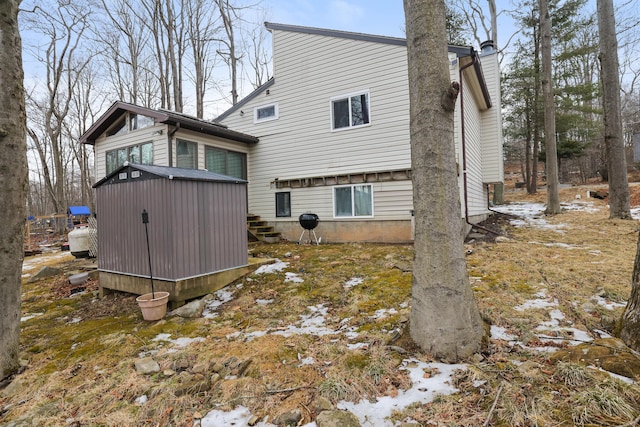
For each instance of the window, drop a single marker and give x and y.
(265, 113)
(187, 155)
(283, 204)
(350, 111)
(225, 162)
(139, 153)
(119, 128)
(137, 121)
(353, 200)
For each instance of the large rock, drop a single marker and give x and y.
(190, 310)
(290, 418)
(337, 419)
(610, 354)
(146, 366)
(45, 272)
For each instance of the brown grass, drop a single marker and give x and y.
(84, 372)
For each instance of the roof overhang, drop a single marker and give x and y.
(165, 117)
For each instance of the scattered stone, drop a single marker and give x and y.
(168, 372)
(141, 400)
(146, 366)
(409, 425)
(600, 292)
(180, 365)
(215, 378)
(197, 415)
(337, 418)
(193, 386)
(323, 404)
(587, 307)
(502, 239)
(475, 235)
(200, 368)
(191, 310)
(404, 267)
(217, 367)
(291, 418)
(241, 368)
(397, 349)
(44, 273)
(253, 420)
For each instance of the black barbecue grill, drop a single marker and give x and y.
(309, 221)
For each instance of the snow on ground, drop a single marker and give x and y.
(609, 305)
(424, 387)
(32, 264)
(177, 342)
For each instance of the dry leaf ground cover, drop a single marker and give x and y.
(333, 323)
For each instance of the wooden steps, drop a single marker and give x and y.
(258, 230)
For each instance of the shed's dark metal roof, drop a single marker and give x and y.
(184, 121)
(460, 51)
(166, 172)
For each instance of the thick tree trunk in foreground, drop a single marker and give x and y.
(13, 184)
(613, 138)
(630, 323)
(551, 161)
(445, 320)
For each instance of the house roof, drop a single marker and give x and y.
(183, 121)
(467, 54)
(166, 172)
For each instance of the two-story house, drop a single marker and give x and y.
(333, 125)
(328, 134)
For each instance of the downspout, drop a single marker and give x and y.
(474, 60)
(169, 142)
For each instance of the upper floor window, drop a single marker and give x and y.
(137, 121)
(353, 200)
(139, 153)
(350, 111)
(265, 113)
(186, 154)
(225, 162)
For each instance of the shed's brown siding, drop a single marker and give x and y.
(195, 227)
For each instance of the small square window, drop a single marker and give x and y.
(283, 204)
(350, 111)
(265, 113)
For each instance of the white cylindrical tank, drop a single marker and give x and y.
(79, 242)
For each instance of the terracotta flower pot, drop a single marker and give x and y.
(153, 308)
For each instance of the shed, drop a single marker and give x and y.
(197, 230)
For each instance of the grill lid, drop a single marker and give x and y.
(309, 221)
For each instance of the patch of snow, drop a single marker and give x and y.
(500, 333)
(543, 301)
(383, 312)
(30, 316)
(221, 296)
(34, 262)
(635, 212)
(239, 417)
(354, 281)
(305, 361)
(609, 305)
(531, 214)
(358, 346)
(178, 342)
(311, 324)
(141, 400)
(264, 301)
(272, 268)
(423, 390)
(613, 375)
(292, 277)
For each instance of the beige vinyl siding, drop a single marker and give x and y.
(476, 199)
(140, 136)
(304, 87)
(204, 140)
(492, 151)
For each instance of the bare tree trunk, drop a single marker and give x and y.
(445, 321)
(535, 123)
(551, 161)
(613, 137)
(13, 185)
(630, 322)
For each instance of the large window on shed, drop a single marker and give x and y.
(350, 110)
(139, 153)
(353, 201)
(283, 204)
(186, 154)
(230, 163)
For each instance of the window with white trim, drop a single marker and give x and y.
(283, 204)
(265, 113)
(353, 201)
(350, 111)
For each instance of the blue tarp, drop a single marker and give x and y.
(79, 210)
